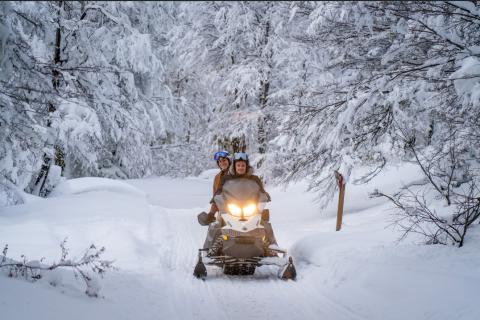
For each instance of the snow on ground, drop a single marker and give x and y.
(149, 227)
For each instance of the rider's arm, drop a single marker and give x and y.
(216, 182)
(220, 187)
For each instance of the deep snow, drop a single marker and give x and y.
(149, 227)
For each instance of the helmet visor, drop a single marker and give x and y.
(240, 156)
(220, 154)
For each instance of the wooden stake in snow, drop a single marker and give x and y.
(341, 198)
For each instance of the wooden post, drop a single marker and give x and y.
(341, 198)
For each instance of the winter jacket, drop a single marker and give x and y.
(216, 184)
(218, 179)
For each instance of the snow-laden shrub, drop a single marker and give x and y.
(88, 268)
(9, 195)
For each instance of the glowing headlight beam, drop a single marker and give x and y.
(234, 210)
(249, 210)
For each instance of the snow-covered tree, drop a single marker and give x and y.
(83, 92)
(229, 48)
(126, 89)
(26, 95)
(377, 74)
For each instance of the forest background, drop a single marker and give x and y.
(131, 89)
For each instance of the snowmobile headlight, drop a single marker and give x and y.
(249, 210)
(234, 210)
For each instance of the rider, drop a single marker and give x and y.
(223, 163)
(241, 169)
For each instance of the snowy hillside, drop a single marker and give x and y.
(149, 228)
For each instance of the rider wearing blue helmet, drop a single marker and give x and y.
(223, 162)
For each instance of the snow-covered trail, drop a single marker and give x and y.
(154, 242)
(149, 228)
(178, 236)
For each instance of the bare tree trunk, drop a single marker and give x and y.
(59, 154)
(40, 183)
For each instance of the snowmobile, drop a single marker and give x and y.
(241, 241)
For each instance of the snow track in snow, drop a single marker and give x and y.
(261, 296)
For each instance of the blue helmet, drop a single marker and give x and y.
(220, 154)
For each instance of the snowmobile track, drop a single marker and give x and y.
(261, 295)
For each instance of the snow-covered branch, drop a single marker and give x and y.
(87, 267)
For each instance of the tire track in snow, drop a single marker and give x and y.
(260, 296)
(190, 298)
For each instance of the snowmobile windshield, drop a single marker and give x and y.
(240, 191)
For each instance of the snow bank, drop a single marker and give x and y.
(357, 195)
(91, 184)
(381, 279)
(208, 174)
(365, 266)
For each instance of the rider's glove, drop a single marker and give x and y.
(211, 217)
